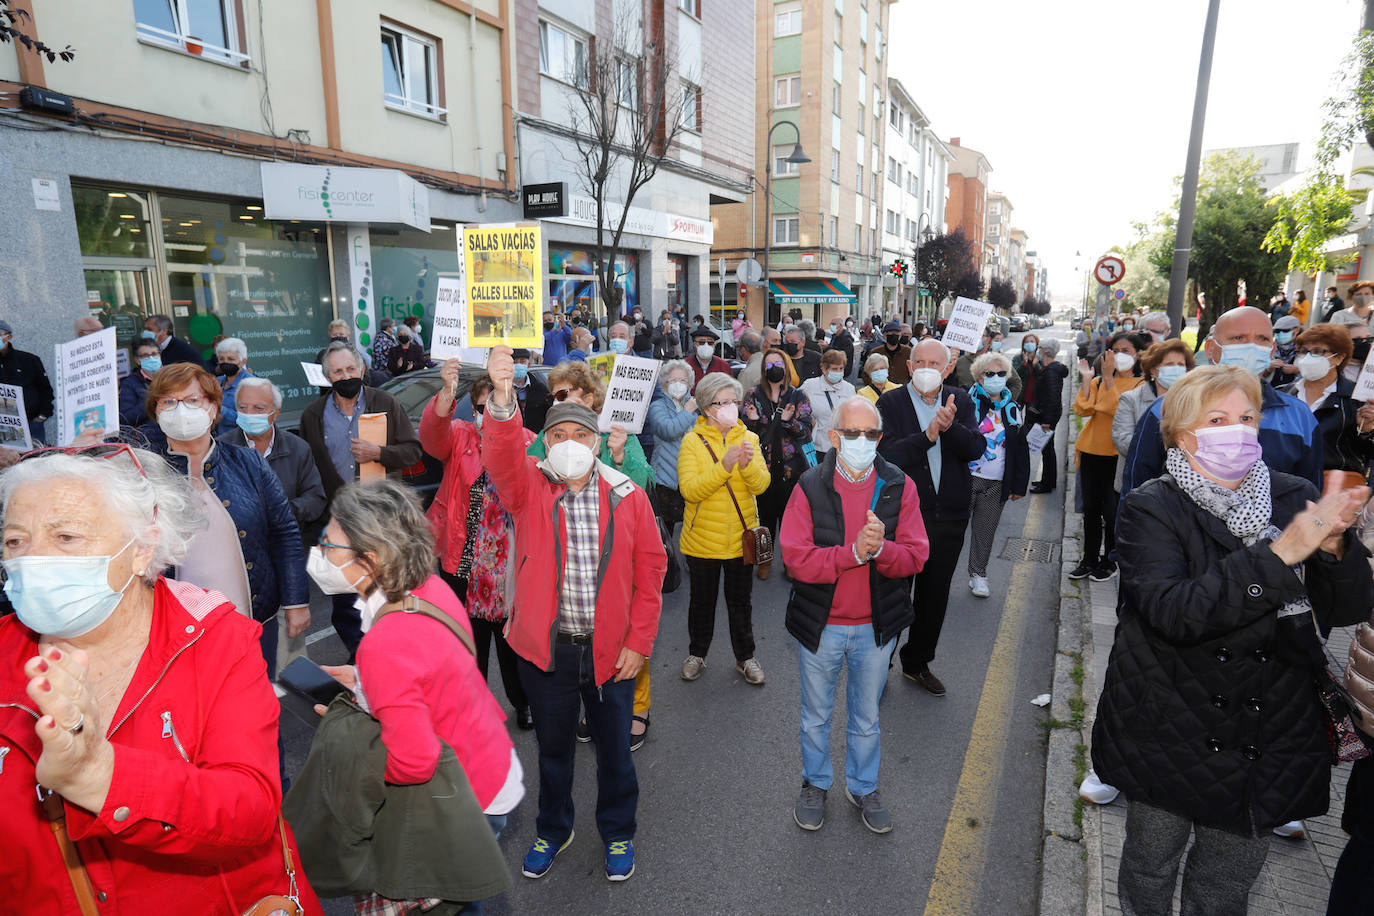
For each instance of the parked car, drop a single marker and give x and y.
(1018, 322)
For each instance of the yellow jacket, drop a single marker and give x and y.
(868, 392)
(1098, 404)
(711, 527)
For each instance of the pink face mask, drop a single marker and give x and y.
(1227, 452)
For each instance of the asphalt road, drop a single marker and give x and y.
(962, 775)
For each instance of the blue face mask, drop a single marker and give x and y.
(148, 335)
(834, 377)
(150, 364)
(997, 346)
(994, 385)
(619, 345)
(879, 376)
(1252, 357)
(521, 370)
(1167, 375)
(1283, 337)
(857, 453)
(63, 596)
(1028, 346)
(254, 424)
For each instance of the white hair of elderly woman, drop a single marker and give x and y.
(159, 511)
(234, 346)
(255, 381)
(990, 360)
(671, 368)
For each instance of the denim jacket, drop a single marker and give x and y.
(273, 554)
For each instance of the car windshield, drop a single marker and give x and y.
(415, 389)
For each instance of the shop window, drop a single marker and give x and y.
(679, 283)
(230, 271)
(202, 28)
(572, 283)
(562, 55)
(406, 267)
(410, 72)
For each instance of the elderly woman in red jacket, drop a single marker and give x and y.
(474, 535)
(137, 704)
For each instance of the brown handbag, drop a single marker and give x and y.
(271, 905)
(756, 542)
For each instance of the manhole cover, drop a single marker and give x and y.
(1030, 550)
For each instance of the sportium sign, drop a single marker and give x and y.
(343, 195)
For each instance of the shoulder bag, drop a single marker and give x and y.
(757, 542)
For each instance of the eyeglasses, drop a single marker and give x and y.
(725, 403)
(193, 402)
(1000, 373)
(872, 435)
(1323, 353)
(327, 544)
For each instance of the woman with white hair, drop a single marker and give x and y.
(137, 704)
(231, 368)
(1003, 471)
(669, 419)
(875, 379)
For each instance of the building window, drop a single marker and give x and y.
(835, 231)
(863, 85)
(834, 165)
(863, 24)
(893, 224)
(878, 42)
(858, 237)
(693, 7)
(835, 98)
(691, 106)
(895, 117)
(787, 21)
(410, 72)
(874, 176)
(627, 82)
(861, 117)
(839, 64)
(562, 55)
(203, 28)
(786, 230)
(894, 171)
(859, 178)
(836, 131)
(839, 28)
(787, 91)
(781, 167)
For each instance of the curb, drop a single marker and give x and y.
(1070, 832)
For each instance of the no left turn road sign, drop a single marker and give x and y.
(1109, 270)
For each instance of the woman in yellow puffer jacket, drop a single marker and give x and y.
(717, 453)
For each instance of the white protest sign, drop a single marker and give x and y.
(1037, 438)
(450, 336)
(314, 375)
(1364, 385)
(87, 386)
(967, 323)
(628, 393)
(14, 423)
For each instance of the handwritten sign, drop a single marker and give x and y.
(628, 393)
(1364, 385)
(449, 339)
(967, 323)
(14, 423)
(88, 386)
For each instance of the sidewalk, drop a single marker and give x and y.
(1082, 853)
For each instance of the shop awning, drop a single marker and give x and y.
(803, 291)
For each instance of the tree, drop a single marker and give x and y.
(942, 264)
(1228, 234)
(11, 21)
(1001, 293)
(1033, 306)
(1144, 285)
(1322, 208)
(969, 285)
(625, 121)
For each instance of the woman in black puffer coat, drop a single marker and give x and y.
(1209, 720)
(1043, 396)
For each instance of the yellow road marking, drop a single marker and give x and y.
(959, 870)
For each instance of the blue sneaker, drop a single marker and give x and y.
(540, 858)
(620, 860)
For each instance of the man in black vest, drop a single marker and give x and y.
(852, 538)
(932, 435)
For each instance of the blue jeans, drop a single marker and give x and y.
(555, 700)
(820, 671)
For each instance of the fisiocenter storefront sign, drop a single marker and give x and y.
(343, 195)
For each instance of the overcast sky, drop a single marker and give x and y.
(1083, 107)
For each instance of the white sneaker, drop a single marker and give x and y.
(1293, 830)
(979, 586)
(1096, 791)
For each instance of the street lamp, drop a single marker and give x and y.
(798, 157)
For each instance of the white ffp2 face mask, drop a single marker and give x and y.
(327, 576)
(571, 460)
(183, 423)
(926, 380)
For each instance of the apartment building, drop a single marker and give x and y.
(1016, 261)
(253, 169)
(708, 62)
(821, 78)
(966, 205)
(914, 195)
(997, 239)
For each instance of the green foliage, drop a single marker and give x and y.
(1145, 286)
(1229, 229)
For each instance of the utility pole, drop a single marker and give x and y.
(1183, 241)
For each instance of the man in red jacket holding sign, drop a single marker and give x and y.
(589, 572)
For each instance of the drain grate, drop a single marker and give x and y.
(1030, 550)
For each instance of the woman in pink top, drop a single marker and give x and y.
(412, 674)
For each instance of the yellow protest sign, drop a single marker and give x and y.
(504, 285)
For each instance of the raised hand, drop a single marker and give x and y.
(501, 368)
(449, 375)
(616, 442)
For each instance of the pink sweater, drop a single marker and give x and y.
(903, 557)
(424, 686)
